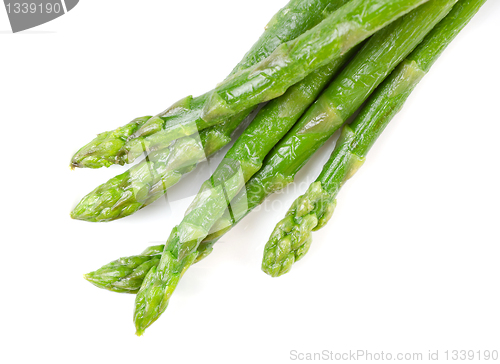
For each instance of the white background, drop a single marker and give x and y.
(408, 263)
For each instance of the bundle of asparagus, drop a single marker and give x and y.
(317, 63)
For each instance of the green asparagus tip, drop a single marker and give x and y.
(272, 272)
(139, 330)
(292, 237)
(89, 277)
(92, 279)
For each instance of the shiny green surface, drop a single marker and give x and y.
(311, 211)
(270, 124)
(269, 78)
(241, 162)
(287, 24)
(127, 274)
(143, 184)
(147, 181)
(378, 56)
(106, 149)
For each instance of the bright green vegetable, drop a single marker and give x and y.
(292, 236)
(381, 54)
(242, 161)
(368, 68)
(104, 150)
(146, 182)
(287, 24)
(125, 275)
(270, 124)
(269, 78)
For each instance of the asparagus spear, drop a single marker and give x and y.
(292, 236)
(125, 275)
(147, 181)
(383, 52)
(378, 57)
(292, 20)
(275, 119)
(143, 184)
(288, 23)
(242, 161)
(268, 79)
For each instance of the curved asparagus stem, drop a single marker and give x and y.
(268, 79)
(311, 211)
(242, 161)
(292, 20)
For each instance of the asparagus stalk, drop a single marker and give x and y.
(147, 181)
(377, 58)
(126, 274)
(143, 184)
(242, 161)
(383, 52)
(287, 24)
(292, 236)
(268, 79)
